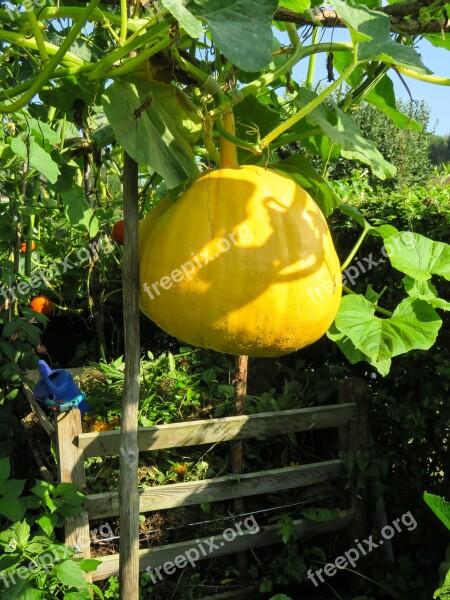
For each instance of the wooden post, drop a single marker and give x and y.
(353, 437)
(71, 470)
(237, 447)
(129, 452)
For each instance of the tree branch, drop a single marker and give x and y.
(330, 18)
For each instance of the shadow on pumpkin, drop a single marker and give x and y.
(241, 262)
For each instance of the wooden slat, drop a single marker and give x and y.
(267, 535)
(71, 470)
(38, 411)
(214, 490)
(194, 433)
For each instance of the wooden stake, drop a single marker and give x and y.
(129, 453)
(237, 447)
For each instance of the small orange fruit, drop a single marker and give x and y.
(43, 305)
(23, 247)
(118, 232)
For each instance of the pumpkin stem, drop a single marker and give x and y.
(228, 152)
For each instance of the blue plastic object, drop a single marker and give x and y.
(56, 390)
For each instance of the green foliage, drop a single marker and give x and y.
(33, 564)
(439, 150)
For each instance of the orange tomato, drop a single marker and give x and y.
(23, 247)
(118, 232)
(43, 305)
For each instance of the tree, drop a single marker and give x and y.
(439, 152)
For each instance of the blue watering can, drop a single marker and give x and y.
(57, 391)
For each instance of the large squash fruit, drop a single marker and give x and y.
(242, 263)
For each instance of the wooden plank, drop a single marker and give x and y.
(218, 545)
(71, 469)
(38, 411)
(194, 433)
(213, 490)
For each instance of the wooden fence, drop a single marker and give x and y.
(74, 446)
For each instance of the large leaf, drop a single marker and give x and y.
(413, 326)
(424, 290)
(353, 355)
(298, 6)
(241, 29)
(440, 507)
(70, 574)
(21, 590)
(418, 256)
(299, 169)
(190, 24)
(383, 98)
(149, 134)
(346, 134)
(35, 156)
(251, 113)
(370, 29)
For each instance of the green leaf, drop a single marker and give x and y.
(149, 135)
(417, 256)
(370, 29)
(36, 157)
(439, 506)
(47, 523)
(253, 113)
(190, 24)
(383, 98)
(22, 534)
(413, 326)
(70, 574)
(356, 19)
(43, 132)
(13, 511)
(5, 469)
(78, 211)
(89, 564)
(299, 169)
(321, 514)
(353, 355)
(22, 590)
(298, 6)
(83, 595)
(424, 290)
(241, 29)
(346, 134)
(383, 231)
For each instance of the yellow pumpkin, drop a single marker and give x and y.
(242, 262)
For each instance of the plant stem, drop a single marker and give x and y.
(379, 309)
(307, 108)
(312, 63)
(355, 248)
(436, 79)
(297, 55)
(255, 148)
(292, 32)
(38, 36)
(228, 152)
(132, 43)
(130, 65)
(18, 39)
(53, 63)
(123, 22)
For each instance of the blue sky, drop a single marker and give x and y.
(436, 96)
